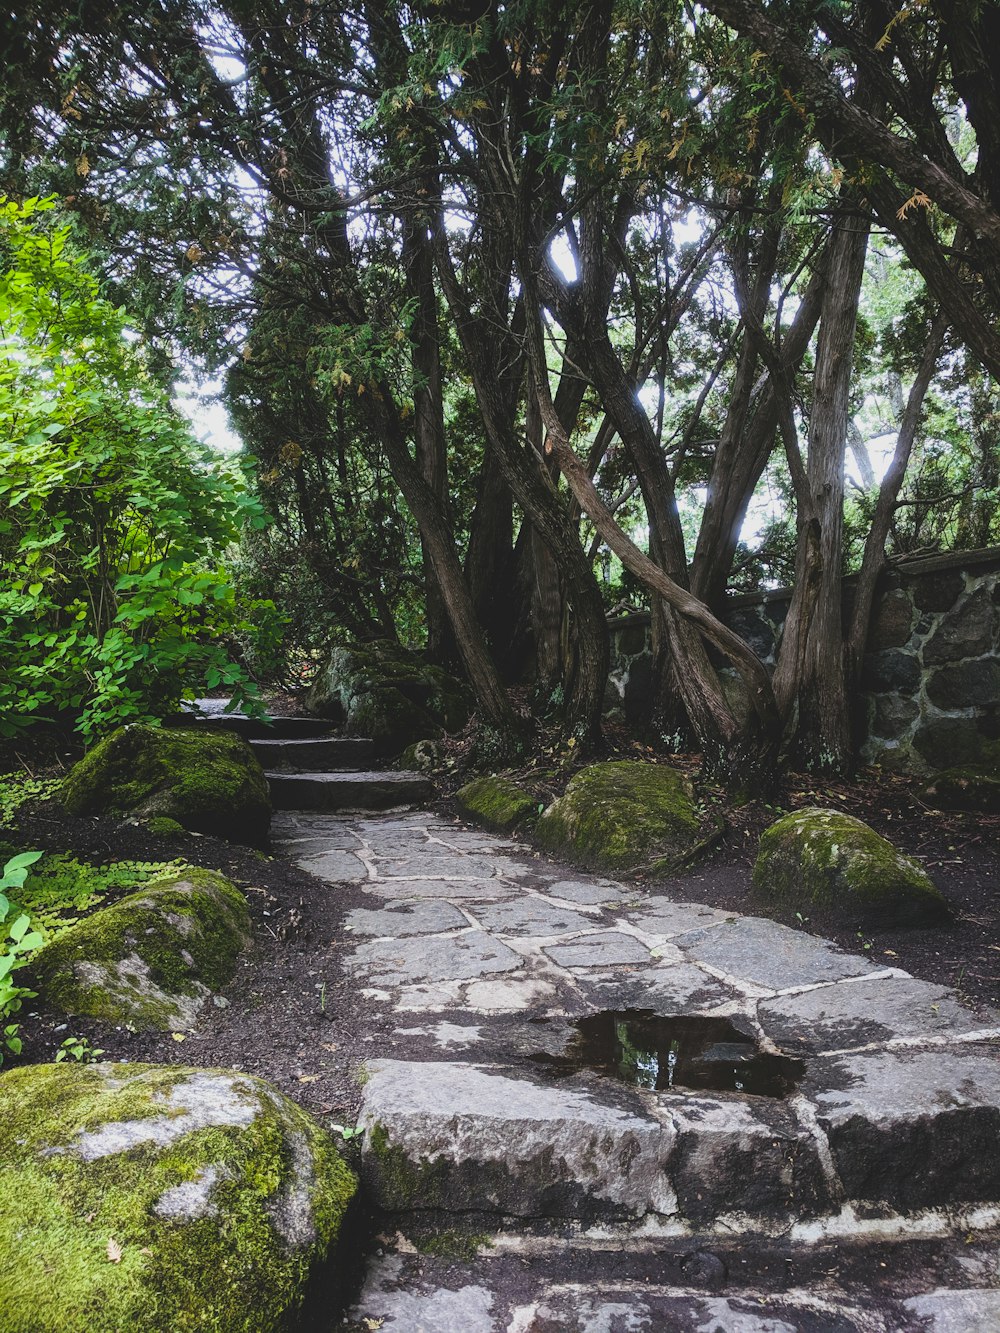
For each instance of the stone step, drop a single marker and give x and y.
(348, 791)
(900, 1133)
(438, 1280)
(256, 728)
(315, 754)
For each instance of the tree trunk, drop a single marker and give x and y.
(809, 681)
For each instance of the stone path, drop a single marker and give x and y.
(486, 957)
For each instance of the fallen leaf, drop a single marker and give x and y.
(178, 1036)
(328, 1045)
(890, 953)
(309, 1078)
(114, 1251)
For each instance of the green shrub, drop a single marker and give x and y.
(17, 943)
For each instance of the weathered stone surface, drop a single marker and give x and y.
(496, 802)
(894, 715)
(392, 1303)
(865, 1012)
(947, 742)
(609, 947)
(890, 670)
(432, 861)
(315, 755)
(457, 958)
(970, 684)
(938, 592)
(479, 890)
(531, 916)
(913, 1128)
(425, 917)
(955, 1311)
(668, 987)
(209, 781)
(749, 1157)
(348, 791)
(660, 917)
(751, 625)
(620, 816)
(832, 863)
(388, 694)
(451, 1135)
(891, 622)
(153, 958)
(967, 632)
(336, 866)
(774, 957)
(585, 892)
(219, 1193)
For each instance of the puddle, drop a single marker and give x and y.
(646, 1050)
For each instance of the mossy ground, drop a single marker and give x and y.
(618, 817)
(833, 863)
(229, 1271)
(497, 802)
(208, 782)
(187, 930)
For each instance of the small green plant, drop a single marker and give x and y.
(80, 1050)
(17, 943)
(346, 1132)
(17, 788)
(61, 889)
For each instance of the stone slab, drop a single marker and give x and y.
(913, 1128)
(431, 862)
(531, 916)
(423, 917)
(384, 1303)
(601, 949)
(347, 791)
(337, 866)
(403, 962)
(316, 754)
(466, 1137)
(774, 957)
(586, 892)
(865, 1012)
(666, 919)
(668, 988)
(956, 1311)
(457, 890)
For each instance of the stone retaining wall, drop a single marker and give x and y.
(931, 683)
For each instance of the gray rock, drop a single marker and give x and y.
(775, 957)
(892, 669)
(586, 892)
(336, 866)
(663, 918)
(477, 890)
(938, 592)
(970, 684)
(894, 715)
(913, 1128)
(455, 958)
(432, 862)
(419, 1307)
(891, 622)
(451, 1135)
(947, 742)
(531, 916)
(866, 1012)
(599, 950)
(424, 917)
(967, 632)
(955, 1311)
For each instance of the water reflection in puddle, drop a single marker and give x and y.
(648, 1050)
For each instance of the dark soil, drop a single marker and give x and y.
(293, 1019)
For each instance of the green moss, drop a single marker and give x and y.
(456, 1246)
(208, 781)
(401, 1183)
(834, 863)
(621, 816)
(239, 1267)
(162, 827)
(497, 802)
(971, 788)
(150, 959)
(60, 889)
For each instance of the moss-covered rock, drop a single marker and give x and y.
(159, 1198)
(624, 816)
(498, 803)
(976, 787)
(426, 756)
(209, 781)
(833, 864)
(390, 694)
(151, 959)
(162, 827)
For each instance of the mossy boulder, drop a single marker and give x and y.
(498, 803)
(833, 865)
(153, 958)
(384, 691)
(160, 1198)
(208, 781)
(426, 756)
(976, 787)
(624, 816)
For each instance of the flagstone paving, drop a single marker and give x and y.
(486, 956)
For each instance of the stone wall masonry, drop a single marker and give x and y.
(930, 689)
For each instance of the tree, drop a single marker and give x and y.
(112, 602)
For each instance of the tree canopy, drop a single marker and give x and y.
(524, 308)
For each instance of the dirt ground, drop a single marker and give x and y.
(293, 1019)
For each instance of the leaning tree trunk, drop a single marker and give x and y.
(809, 681)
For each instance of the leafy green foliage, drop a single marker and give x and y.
(17, 943)
(18, 788)
(61, 889)
(79, 1050)
(113, 602)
